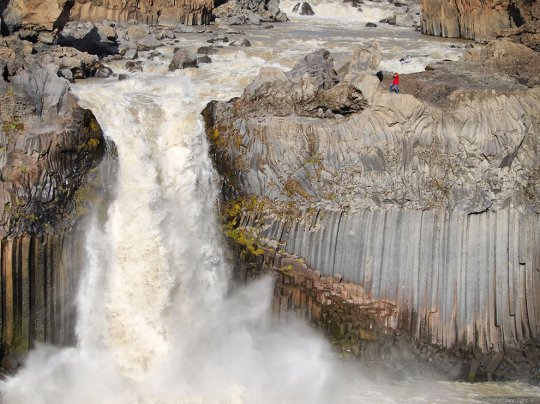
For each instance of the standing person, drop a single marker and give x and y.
(395, 83)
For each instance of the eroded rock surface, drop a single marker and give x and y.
(477, 19)
(237, 12)
(50, 147)
(428, 199)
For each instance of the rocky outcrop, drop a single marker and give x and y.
(236, 12)
(429, 204)
(50, 149)
(475, 19)
(51, 15)
(303, 9)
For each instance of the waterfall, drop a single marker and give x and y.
(156, 323)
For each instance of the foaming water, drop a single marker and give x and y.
(339, 10)
(157, 322)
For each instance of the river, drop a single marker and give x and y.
(157, 322)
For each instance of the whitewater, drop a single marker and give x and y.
(158, 321)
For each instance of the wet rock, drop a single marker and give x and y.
(371, 25)
(184, 29)
(204, 59)
(473, 369)
(494, 363)
(136, 33)
(122, 77)
(183, 58)
(47, 38)
(207, 50)
(249, 12)
(243, 42)
(66, 74)
(103, 72)
(149, 42)
(131, 54)
(28, 35)
(134, 66)
(106, 33)
(303, 8)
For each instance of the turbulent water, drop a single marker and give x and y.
(156, 320)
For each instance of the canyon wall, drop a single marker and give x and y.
(431, 205)
(49, 15)
(474, 19)
(50, 149)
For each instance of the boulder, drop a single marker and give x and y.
(136, 33)
(184, 29)
(204, 59)
(249, 12)
(103, 72)
(244, 42)
(106, 33)
(147, 43)
(306, 9)
(90, 38)
(131, 54)
(363, 59)
(207, 50)
(66, 74)
(183, 58)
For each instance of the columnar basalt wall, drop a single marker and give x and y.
(429, 202)
(39, 275)
(52, 14)
(475, 19)
(457, 279)
(51, 148)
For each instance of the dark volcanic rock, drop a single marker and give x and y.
(207, 50)
(204, 59)
(249, 12)
(304, 90)
(39, 157)
(303, 9)
(449, 164)
(90, 38)
(244, 42)
(103, 72)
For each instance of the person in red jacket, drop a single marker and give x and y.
(395, 84)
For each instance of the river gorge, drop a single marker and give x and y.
(274, 226)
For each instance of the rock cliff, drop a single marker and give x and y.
(428, 200)
(52, 15)
(476, 19)
(50, 148)
(49, 15)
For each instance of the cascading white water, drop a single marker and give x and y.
(155, 324)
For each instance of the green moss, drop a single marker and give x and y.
(13, 125)
(239, 235)
(93, 143)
